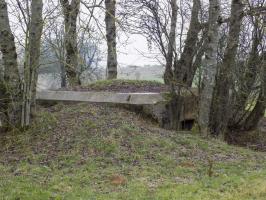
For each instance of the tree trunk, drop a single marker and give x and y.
(110, 6)
(185, 70)
(63, 76)
(221, 106)
(9, 83)
(71, 11)
(251, 122)
(210, 68)
(4, 97)
(168, 75)
(32, 61)
(248, 80)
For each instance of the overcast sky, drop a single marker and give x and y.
(136, 52)
(131, 49)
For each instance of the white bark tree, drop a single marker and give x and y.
(210, 68)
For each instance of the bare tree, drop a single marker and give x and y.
(31, 64)
(155, 20)
(110, 22)
(251, 122)
(251, 86)
(221, 104)
(19, 100)
(190, 58)
(71, 11)
(170, 55)
(210, 68)
(10, 93)
(54, 39)
(168, 75)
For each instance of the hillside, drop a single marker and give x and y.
(103, 152)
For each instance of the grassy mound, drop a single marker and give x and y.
(102, 152)
(125, 86)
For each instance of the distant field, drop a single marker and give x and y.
(153, 73)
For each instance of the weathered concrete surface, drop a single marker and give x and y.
(154, 105)
(159, 112)
(101, 97)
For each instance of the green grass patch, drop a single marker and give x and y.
(76, 151)
(122, 82)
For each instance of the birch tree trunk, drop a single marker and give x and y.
(71, 11)
(210, 68)
(110, 15)
(32, 61)
(10, 94)
(168, 75)
(221, 106)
